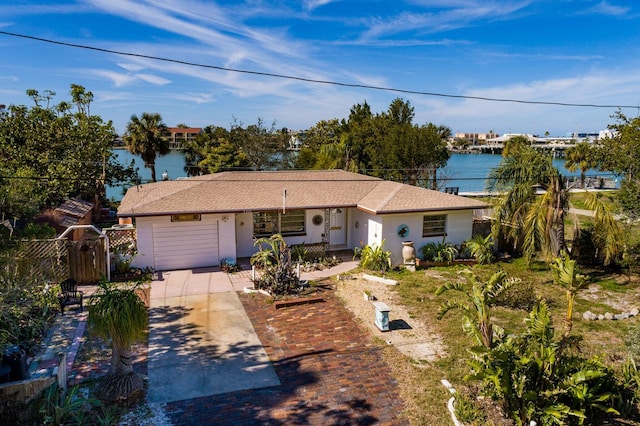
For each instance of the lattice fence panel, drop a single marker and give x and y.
(48, 259)
(121, 237)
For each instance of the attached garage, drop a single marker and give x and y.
(184, 245)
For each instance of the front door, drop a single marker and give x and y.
(337, 227)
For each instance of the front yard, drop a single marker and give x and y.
(414, 300)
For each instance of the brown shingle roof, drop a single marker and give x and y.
(251, 191)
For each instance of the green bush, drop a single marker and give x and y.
(375, 258)
(481, 248)
(536, 377)
(278, 275)
(27, 303)
(38, 231)
(521, 296)
(439, 252)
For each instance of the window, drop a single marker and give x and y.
(434, 225)
(269, 223)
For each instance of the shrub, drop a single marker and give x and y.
(27, 303)
(521, 296)
(375, 258)
(538, 378)
(278, 276)
(439, 252)
(481, 248)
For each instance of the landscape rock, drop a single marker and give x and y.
(600, 317)
(589, 316)
(634, 312)
(608, 316)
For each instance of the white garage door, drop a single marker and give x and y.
(185, 245)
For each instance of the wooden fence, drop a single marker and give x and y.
(58, 259)
(87, 263)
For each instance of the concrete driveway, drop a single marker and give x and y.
(201, 341)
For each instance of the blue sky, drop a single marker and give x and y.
(570, 51)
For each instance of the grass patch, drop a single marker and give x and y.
(607, 339)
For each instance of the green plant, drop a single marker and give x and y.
(537, 378)
(119, 314)
(124, 255)
(481, 248)
(476, 313)
(27, 302)
(278, 275)
(521, 296)
(565, 274)
(439, 251)
(60, 407)
(375, 258)
(467, 411)
(229, 265)
(299, 253)
(38, 231)
(269, 251)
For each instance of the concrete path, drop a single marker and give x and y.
(201, 341)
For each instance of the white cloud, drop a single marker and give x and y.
(153, 79)
(313, 4)
(606, 8)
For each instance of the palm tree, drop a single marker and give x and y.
(536, 222)
(119, 314)
(579, 157)
(477, 312)
(146, 136)
(565, 274)
(532, 223)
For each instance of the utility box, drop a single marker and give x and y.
(382, 315)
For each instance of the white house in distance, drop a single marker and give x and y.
(198, 221)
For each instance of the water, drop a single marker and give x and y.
(465, 171)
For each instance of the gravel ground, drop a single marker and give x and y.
(409, 335)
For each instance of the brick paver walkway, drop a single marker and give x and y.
(330, 373)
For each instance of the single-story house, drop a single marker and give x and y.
(198, 221)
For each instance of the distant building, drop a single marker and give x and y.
(180, 135)
(475, 138)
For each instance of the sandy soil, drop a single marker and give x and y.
(409, 335)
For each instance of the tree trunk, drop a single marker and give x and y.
(153, 172)
(122, 383)
(121, 361)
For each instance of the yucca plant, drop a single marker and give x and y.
(269, 251)
(119, 314)
(375, 258)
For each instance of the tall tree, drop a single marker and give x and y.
(531, 223)
(147, 136)
(213, 151)
(620, 154)
(579, 157)
(536, 222)
(49, 153)
(264, 147)
(323, 146)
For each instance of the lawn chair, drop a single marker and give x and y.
(69, 294)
